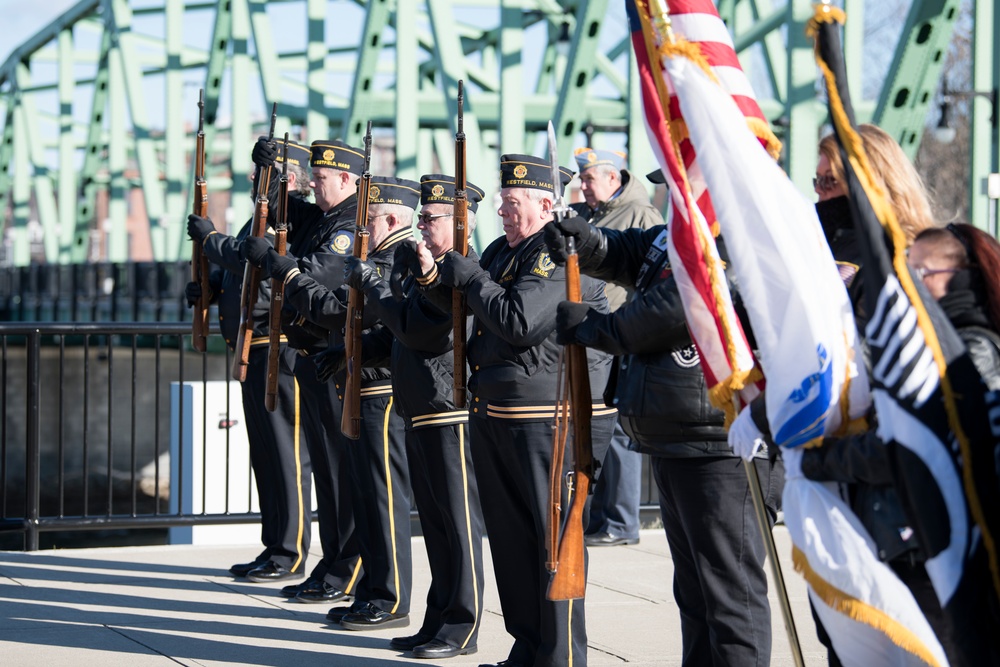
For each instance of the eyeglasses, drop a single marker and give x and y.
(428, 218)
(922, 271)
(824, 183)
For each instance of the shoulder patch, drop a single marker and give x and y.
(543, 265)
(342, 243)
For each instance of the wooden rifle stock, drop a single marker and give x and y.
(199, 263)
(461, 245)
(251, 274)
(569, 578)
(350, 421)
(277, 290)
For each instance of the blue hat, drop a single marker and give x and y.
(440, 189)
(336, 154)
(592, 157)
(528, 171)
(297, 154)
(399, 191)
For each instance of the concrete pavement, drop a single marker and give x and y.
(170, 605)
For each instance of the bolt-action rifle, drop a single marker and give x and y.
(199, 263)
(277, 289)
(566, 553)
(251, 274)
(350, 422)
(461, 246)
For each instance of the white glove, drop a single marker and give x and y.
(744, 436)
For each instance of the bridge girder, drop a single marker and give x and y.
(99, 104)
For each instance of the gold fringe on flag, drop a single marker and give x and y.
(857, 610)
(852, 143)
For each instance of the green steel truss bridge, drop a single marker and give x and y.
(98, 109)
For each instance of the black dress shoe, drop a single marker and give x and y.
(241, 569)
(337, 613)
(271, 572)
(502, 663)
(319, 591)
(608, 540)
(292, 590)
(436, 648)
(409, 643)
(371, 617)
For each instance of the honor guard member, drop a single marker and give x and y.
(322, 237)
(708, 515)
(379, 475)
(444, 485)
(614, 199)
(513, 292)
(278, 457)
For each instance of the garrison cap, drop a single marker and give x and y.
(440, 189)
(592, 157)
(336, 154)
(297, 154)
(528, 171)
(656, 177)
(390, 190)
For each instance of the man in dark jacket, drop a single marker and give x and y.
(419, 336)
(513, 292)
(379, 474)
(719, 581)
(615, 199)
(281, 466)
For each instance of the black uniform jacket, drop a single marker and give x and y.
(420, 336)
(328, 308)
(227, 284)
(512, 345)
(320, 242)
(661, 391)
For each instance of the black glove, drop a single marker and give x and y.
(405, 262)
(569, 316)
(458, 271)
(331, 361)
(591, 246)
(279, 266)
(360, 275)
(264, 152)
(192, 292)
(254, 249)
(199, 227)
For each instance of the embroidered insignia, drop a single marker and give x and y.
(341, 243)
(543, 265)
(520, 171)
(328, 155)
(847, 272)
(591, 157)
(373, 193)
(686, 357)
(437, 190)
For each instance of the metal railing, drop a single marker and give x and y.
(84, 406)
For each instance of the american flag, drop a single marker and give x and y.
(726, 358)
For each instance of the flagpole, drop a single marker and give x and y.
(753, 479)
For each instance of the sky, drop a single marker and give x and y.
(22, 20)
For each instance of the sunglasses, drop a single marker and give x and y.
(428, 218)
(922, 271)
(824, 183)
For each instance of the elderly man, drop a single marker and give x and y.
(321, 237)
(280, 464)
(615, 199)
(377, 461)
(418, 337)
(513, 292)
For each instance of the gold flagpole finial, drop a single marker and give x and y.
(660, 14)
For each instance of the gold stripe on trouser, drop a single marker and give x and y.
(468, 531)
(354, 576)
(298, 479)
(392, 514)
